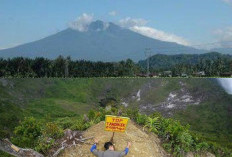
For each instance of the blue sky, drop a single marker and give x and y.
(188, 21)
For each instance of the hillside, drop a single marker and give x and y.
(113, 43)
(204, 100)
(223, 50)
(167, 62)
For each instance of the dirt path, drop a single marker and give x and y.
(143, 144)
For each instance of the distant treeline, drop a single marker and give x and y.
(204, 65)
(212, 64)
(65, 67)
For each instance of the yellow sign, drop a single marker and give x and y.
(115, 123)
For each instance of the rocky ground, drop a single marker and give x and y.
(175, 101)
(143, 144)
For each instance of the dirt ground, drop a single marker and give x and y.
(143, 144)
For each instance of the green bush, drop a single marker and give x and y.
(133, 114)
(27, 133)
(176, 138)
(32, 133)
(202, 146)
(153, 124)
(185, 141)
(65, 123)
(91, 115)
(79, 124)
(52, 130)
(44, 144)
(141, 119)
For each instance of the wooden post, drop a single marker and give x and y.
(112, 138)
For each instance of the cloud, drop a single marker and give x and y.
(82, 22)
(158, 34)
(224, 36)
(113, 13)
(130, 22)
(139, 26)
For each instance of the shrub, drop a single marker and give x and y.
(141, 119)
(185, 141)
(203, 146)
(52, 130)
(44, 144)
(27, 132)
(131, 113)
(65, 123)
(91, 115)
(152, 124)
(79, 124)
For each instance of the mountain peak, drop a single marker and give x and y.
(96, 41)
(98, 25)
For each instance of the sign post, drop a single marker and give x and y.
(115, 124)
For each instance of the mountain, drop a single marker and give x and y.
(100, 42)
(167, 62)
(223, 50)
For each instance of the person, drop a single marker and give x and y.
(110, 152)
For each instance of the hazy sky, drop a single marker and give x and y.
(186, 22)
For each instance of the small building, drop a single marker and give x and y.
(226, 74)
(167, 74)
(199, 74)
(141, 75)
(153, 75)
(184, 75)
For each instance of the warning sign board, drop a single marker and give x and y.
(115, 123)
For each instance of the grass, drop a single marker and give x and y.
(211, 120)
(159, 94)
(3, 154)
(75, 107)
(41, 97)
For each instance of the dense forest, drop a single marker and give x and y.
(212, 64)
(203, 65)
(64, 67)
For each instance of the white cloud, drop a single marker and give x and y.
(139, 26)
(130, 22)
(224, 36)
(82, 22)
(113, 13)
(158, 34)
